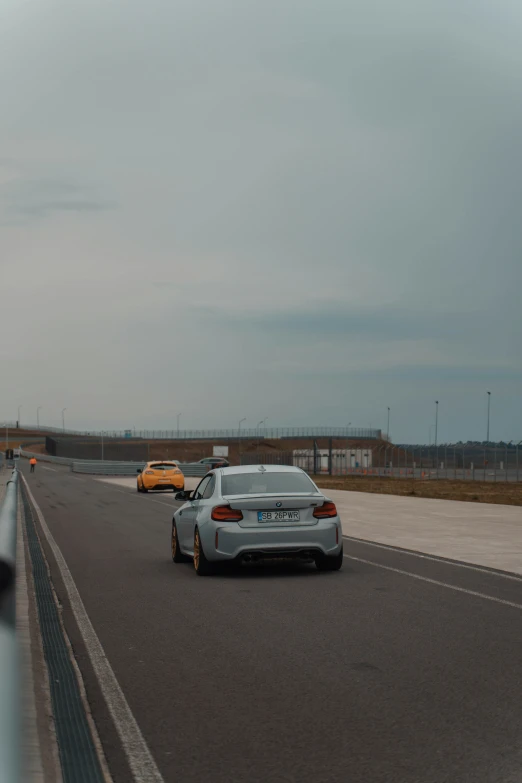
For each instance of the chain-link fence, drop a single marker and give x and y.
(447, 461)
(242, 432)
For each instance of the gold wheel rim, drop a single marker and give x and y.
(174, 542)
(196, 551)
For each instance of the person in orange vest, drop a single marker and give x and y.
(32, 463)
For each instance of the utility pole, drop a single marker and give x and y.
(436, 420)
(39, 408)
(177, 420)
(239, 437)
(489, 403)
(388, 427)
(63, 418)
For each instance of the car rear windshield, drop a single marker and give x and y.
(163, 466)
(259, 483)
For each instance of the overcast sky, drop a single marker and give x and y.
(301, 210)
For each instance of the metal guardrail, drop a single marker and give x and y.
(99, 468)
(47, 458)
(8, 535)
(9, 677)
(112, 468)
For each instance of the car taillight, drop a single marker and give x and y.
(226, 514)
(328, 509)
(149, 472)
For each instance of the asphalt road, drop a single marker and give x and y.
(391, 670)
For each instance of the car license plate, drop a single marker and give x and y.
(278, 516)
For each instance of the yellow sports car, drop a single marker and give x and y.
(160, 475)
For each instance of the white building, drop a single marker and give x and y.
(342, 459)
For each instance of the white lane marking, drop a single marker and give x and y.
(443, 560)
(147, 500)
(44, 467)
(436, 582)
(139, 757)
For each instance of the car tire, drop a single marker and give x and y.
(144, 490)
(202, 566)
(177, 554)
(329, 562)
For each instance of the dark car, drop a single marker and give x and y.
(215, 462)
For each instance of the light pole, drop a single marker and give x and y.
(39, 408)
(489, 404)
(436, 420)
(19, 409)
(388, 426)
(102, 443)
(239, 437)
(259, 423)
(177, 422)
(63, 418)
(348, 434)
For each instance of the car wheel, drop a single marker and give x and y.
(202, 566)
(329, 562)
(177, 555)
(143, 489)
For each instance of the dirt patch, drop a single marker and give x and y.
(506, 493)
(36, 448)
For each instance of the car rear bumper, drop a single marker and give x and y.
(178, 486)
(234, 541)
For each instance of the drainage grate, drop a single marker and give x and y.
(78, 757)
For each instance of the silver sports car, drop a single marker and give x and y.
(253, 512)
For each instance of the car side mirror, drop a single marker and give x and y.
(138, 470)
(183, 495)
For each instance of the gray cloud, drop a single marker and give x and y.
(25, 199)
(338, 322)
(304, 192)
